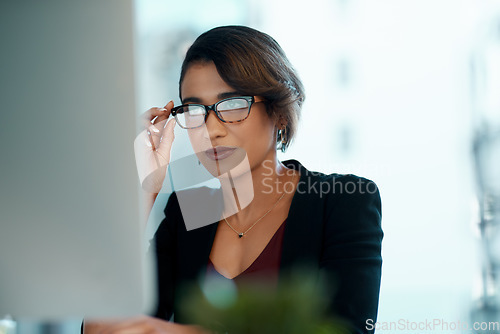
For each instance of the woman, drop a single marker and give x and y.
(241, 101)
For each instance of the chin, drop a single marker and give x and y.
(221, 167)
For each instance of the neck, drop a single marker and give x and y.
(247, 193)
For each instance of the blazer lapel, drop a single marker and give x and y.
(194, 252)
(304, 225)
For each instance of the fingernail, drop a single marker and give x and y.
(153, 128)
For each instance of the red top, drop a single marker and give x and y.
(266, 265)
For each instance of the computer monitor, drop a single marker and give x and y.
(70, 218)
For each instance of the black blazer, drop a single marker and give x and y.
(334, 225)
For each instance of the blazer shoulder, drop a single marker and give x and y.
(353, 204)
(333, 190)
(335, 185)
(350, 184)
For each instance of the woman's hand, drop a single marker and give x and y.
(152, 147)
(140, 325)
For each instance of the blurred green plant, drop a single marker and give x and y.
(299, 306)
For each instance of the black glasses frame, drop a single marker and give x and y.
(213, 107)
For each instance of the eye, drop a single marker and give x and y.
(194, 110)
(233, 104)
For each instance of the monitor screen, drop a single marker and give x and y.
(70, 218)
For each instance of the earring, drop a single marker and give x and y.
(283, 138)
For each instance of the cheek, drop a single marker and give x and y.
(266, 131)
(198, 138)
(259, 139)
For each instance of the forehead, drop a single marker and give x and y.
(203, 82)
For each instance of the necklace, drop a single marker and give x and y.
(241, 234)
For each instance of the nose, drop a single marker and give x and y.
(215, 127)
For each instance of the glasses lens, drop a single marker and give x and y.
(234, 110)
(191, 116)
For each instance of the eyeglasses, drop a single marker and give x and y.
(230, 110)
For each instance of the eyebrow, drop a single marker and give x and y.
(220, 96)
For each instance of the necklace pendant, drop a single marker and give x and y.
(240, 235)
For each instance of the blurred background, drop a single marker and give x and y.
(396, 92)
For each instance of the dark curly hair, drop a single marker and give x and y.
(254, 64)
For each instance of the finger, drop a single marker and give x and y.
(157, 114)
(152, 113)
(98, 326)
(155, 133)
(168, 137)
(169, 105)
(136, 325)
(151, 165)
(150, 117)
(157, 128)
(165, 113)
(124, 326)
(162, 113)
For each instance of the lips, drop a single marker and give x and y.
(219, 152)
